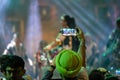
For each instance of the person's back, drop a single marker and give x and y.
(69, 65)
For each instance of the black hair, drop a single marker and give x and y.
(11, 61)
(96, 75)
(70, 21)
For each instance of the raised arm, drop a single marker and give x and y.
(82, 47)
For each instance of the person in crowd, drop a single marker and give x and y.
(40, 54)
(15, 47)
(112, 54)
(69, 63)
(102, 74)
(12, 68)
(40, 59)
(104, 71)
(96, 75)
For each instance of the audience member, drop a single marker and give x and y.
(96, 75)
(69, 63)
(102, 74)
(16, 47)
(12, 67)
(40, 59)
(105, 72)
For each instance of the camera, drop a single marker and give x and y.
(68, 32)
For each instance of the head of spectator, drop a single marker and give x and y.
(68, 64)
(104, 71)
(12, 67)
(96, 75)
(107, 74)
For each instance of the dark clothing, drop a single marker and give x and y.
(75, 42)
(82, 75)
(48, 76)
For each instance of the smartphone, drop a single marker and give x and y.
(68, 32)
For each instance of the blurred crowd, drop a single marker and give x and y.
(73, 55)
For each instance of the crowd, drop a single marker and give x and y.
(74, 54)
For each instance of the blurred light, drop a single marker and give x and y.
(4, 4)
(117, 72)
(33, 30)
(30, 62)
(3, 7)
(112, 68)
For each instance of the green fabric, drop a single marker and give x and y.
(68, 63)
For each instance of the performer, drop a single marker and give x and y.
(66, 42)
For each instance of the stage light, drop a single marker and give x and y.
(33, 30)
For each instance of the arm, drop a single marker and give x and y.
(49, 73)
(82, 48)
(58, 41)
